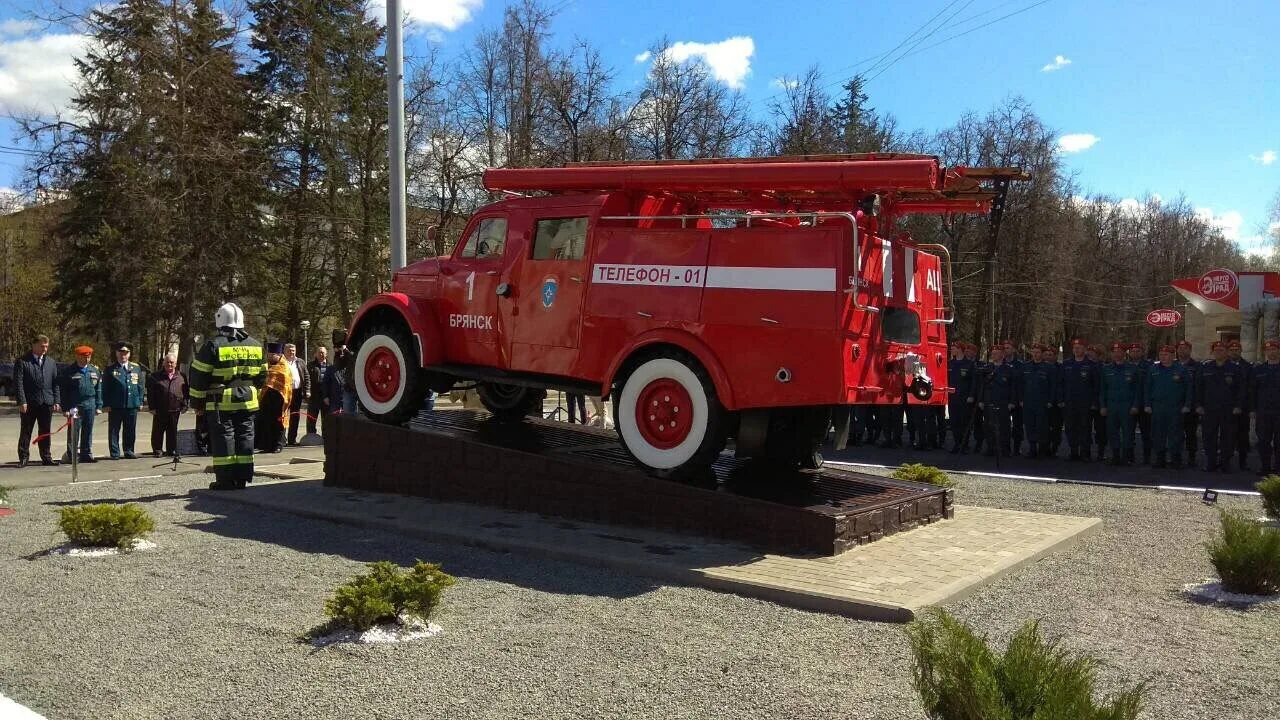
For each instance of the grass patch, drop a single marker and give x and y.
(4, 494)
(1246, 555)
(383, 595)
(920, 473)
(1270, 490)
(960, 677)
(105, 525)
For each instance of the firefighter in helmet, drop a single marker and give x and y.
(226, 374)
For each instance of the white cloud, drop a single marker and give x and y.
(729, 60)
(1266, 158)
(783, 83)
(644, 57)
(430, 16)
(1129, 206)
(13, 26)
(1075, 142)
(1058, 63)
(1228, 222)
(37, 73)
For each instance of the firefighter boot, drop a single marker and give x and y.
(1116, 459)
(1128, 456)
(1033, 449)
(1160, 463)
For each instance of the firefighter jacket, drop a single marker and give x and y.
(124, 386)
(1169, 389)
(1119, 387)
(1000, 385)
(1220, 388)
(962, 374)
(1039, 384)
(1080, 383)
(78, 387)
(1264, 388)
(227, 373)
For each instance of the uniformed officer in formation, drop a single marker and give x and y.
(1142, 421)
(1099, 420)
(1264, 389)
(1120, 397)
(1219, 399)
(1015, 420)
(1039, 395)
(1080, 401)
(226, 375)
(977, 421)
(999, 393)
(1168, 397)
(1242, 420)
(1190, 421)
(79, 391)
(961, 373)
(1049, 356)
(123, 393)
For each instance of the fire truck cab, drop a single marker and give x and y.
(752, 300)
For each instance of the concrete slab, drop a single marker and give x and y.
(889, 580)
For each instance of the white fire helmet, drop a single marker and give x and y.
(229, 315)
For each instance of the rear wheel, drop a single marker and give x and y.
(388, 381)
(511, 402)
(668, 415)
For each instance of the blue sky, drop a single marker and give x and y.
(1165, 97)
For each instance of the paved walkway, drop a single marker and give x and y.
(889, 580)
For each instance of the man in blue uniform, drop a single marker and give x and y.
(977, 421)
(1167, 398)
(1191, 420)
(123, 391)
(1242, 420)
(1080, 400)
(999, 393)
(1120, 398)
(960, 373)
(79, 390)
(1039, 393)
(1265, 391)
(1098, 431)
(1050, 357)
(1219, 399)
(1142, 421)
(1015, 419)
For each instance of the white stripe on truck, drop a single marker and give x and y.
(820, 279)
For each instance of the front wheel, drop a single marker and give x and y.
(389, 386)
(668, 415)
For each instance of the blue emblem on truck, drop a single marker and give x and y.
(549, 288)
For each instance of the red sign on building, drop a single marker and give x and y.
(1218, 284)
(1163, 318)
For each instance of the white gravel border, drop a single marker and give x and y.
(72, 550)
(409, 628)
(1211, 591)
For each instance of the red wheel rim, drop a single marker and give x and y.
(664, 413)
(382, 375)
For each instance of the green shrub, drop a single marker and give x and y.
(1246, 555)
(927, 474)
(959, 677)
(384, 593)
(4, 494)
(105, 525)
(1270, 489)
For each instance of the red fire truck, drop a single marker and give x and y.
(754, 300)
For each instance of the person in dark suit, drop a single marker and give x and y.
(167, 398)
(34, 379)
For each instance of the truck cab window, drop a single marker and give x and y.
(900, 325)
(560, 239)
(487, 240)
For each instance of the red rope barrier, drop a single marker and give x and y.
(52, 433)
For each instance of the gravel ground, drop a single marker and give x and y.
(204, 625)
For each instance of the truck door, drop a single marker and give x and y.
(550, 285)
(468, 293)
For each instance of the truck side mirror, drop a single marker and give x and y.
(504, 290)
